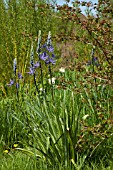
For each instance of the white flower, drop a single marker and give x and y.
(85, 117)
(62, 70)
(52, 80)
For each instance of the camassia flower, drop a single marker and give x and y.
(36, 65)
(11, 83)
(17, 85)
(50, 60)
(15, 80)
(32, 69)
(43, 56)
(94, 61)
(48, 47)
(31, 72)
(20, 76)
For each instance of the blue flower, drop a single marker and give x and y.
(50, 48)
(53, 55)
(37, 64)
(17, 85)
(44, 46)
(94, 61)
(11, 83)
(50, 60)
(44, 56)
(31, 71)
(20, 76)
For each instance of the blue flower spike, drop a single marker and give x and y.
(39, 43)
(15, 66)
(49, 46)
(32, 55)
(49, 38)
(94, 61)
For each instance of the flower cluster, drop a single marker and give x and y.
(45, 57)
(94, 61)
(45, 53)
(50, 49)
(19, 75)
(12, 81)
(33, 68)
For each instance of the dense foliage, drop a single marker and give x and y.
(56, 85)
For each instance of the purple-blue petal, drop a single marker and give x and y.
(50, 60)
(31, 71)
(20, 76)
(53, 55)
(11, 83)
(37, 64)
(50, 48)
(44, 46)
(43, 56)
(94, 61)
(17, 85)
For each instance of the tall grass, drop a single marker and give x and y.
(55, 129)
